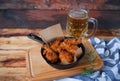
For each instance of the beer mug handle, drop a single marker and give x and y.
(95, 25)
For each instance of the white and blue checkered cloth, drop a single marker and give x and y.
(111, 68)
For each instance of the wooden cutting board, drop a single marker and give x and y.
(40, 70)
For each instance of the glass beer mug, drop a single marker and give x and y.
(77, 23)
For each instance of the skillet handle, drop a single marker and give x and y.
(35, 37)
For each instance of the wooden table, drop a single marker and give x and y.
(14, 46)
(28, 16)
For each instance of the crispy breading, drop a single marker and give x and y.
(50, 55)
(70, 41)
(69, 47)
(66, 49)
(55, 44)
(66, 57)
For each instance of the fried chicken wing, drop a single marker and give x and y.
(70, 41)
(69, 47)
(50, 55)
(66, 57)
(55, 44)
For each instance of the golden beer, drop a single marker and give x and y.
(77, 23)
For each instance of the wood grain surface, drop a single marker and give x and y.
(14, 58)
(11, 58)
(45, 18)
(14, 46)
(8, 33)
(18, 18)
(59, 4)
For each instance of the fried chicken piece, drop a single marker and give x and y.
(55, 44)
(73, 41)
(70, 41)
(66, 57)
(72, 48)
(50, 55)
(69, 47)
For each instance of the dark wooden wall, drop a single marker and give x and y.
(44, 13)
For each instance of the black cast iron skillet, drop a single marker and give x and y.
(56, 65)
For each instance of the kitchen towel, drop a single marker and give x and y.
(109, 51)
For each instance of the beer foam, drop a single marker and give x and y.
(78, 14)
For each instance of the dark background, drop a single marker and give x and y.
(44, 13)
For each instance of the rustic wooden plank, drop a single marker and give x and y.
(14, 78)
(16, 6)
(13, 58)
(45, 18)
(22, 42)
(5, 33)
(30, 18)
(98, 6)
(13, 63)
(5, 71)
(59, 4)
(37, 4)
